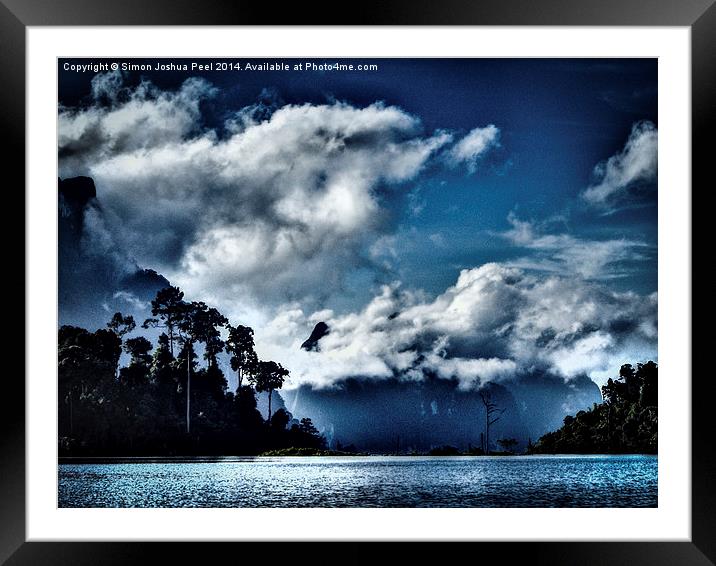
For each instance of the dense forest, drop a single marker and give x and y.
(626, 422)
(165, 401)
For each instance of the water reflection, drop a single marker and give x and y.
(371, 481)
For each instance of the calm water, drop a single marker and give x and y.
(371, 481)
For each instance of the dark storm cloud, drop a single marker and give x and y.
(96, 278)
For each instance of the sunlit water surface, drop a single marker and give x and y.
(370, 481)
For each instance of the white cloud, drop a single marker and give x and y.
(635, 164)
(285, 203)
(473, 146)
(281, 207)
(568, 255)
(132, 300)
(138, 119)
(495, 322)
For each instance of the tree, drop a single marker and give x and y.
(305, 434)
(490, 410)
(87, 366)
(162, 362)
(240, 345)
(137, 373)
(632, 381)
(649, 394)
(530, 446)
(198, 323)
(610, 392)
(188, 327)
(138, 348)
(142, 412)
(108, 347)
(163, 375)
(169, 306)
(280, 419)
(626, 422)
(187, 357)
(121, 325)
(207, 321)
(307, 427)
(270, 376)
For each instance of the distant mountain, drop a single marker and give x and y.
(388, 415)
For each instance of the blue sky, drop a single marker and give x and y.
(563, 187)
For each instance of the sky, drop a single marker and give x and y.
(470, 218)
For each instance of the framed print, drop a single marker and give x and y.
(399, 278)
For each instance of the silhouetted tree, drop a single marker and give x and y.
(530, 446)
(306, 426)
(143, 407)
(270, 376)
(187, 358)
(247, 414)
(137, 373)
(649, 394)
(626, 422)
(138, 348)
(240, 345)
(305, 434)
(161, 367)
(199, 323)
(206, 324)
(87, 366)
(190, 328)
(280, 420)
(169, 307)
(491, 409)
(121, 325)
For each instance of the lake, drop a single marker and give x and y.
(362, 481)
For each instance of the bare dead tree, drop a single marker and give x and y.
(491, 409)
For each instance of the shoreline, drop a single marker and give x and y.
(247, 458)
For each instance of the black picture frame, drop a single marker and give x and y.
(16, 15)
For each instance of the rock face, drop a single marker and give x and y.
(392, 415)
(401, 415)
(319, 331)
(77, 191)
(95, 275)
(75, 196)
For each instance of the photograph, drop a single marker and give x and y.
(379, 282)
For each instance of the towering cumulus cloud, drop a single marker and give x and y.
(272, 208)
(495, 323)
(277, 208)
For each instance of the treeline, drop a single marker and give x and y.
(165, 401)
(626, 422)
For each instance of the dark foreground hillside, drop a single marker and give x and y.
(626, 422)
